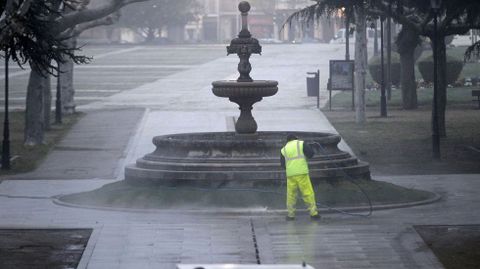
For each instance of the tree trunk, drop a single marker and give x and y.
(407, 42)
(35, 110)
(66, 82)
(360, 64)
(176, 33)
(375, 41)
(150, 35)
(442, 85)
(47, 99)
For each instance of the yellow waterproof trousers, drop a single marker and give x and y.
(303, 183)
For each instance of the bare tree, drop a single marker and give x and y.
(149, 18)
(39, 32)
(408, 41)
(66, 67)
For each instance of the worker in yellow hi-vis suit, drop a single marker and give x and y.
(294, 159)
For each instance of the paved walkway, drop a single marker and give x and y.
(119, 129)
(161, 239)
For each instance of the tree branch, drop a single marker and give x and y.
(424, 24)
(473, 50)
(456, 29)
(9, 7)
(85, 15)
(9, 24)
(450, 16)
(402, 19)
(109, 20)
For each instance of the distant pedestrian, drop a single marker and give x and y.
(294, 159)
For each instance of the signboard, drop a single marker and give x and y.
(341, 75)
(341, 78)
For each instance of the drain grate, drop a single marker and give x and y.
(255, 245)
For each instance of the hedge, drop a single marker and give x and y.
(454, 68)
(374, 66)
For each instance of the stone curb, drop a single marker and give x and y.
(89, 248)
(253, 211)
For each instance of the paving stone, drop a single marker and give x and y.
(161, 239)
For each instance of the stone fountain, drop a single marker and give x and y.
(245, 91)
(244, 157)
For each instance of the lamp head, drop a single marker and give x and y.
(435, 4)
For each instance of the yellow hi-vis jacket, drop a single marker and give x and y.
(295, 161)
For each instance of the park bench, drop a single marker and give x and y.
(476, 93)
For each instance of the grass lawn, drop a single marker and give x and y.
(401, 143)
(456, 246)
(470, 69)
(26, 158)
(455, 96)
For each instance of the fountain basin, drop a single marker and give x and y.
(228, 158)
(245, 94)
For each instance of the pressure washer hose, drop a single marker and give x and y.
(280, 192)
(350, 179)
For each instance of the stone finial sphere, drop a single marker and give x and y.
(244, 6)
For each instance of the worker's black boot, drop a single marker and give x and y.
(315, 217)
(288, 218)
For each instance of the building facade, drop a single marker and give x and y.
(220, 21)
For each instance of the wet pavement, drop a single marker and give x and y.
(160, 239)
(118, 128)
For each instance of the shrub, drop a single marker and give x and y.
(374, 66)
(454, 68)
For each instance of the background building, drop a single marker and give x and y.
(218, 21)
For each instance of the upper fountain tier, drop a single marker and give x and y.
(245, 91)
(244, 45)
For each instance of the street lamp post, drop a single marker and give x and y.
(6, 125)
(388, 76)
(435, 4)
(58, 101)
(383, 98)
(375, 42)
(347, 35)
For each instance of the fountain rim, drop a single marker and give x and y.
(200, 137)
(254, 83)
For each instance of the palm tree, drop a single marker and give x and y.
(356, 10)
